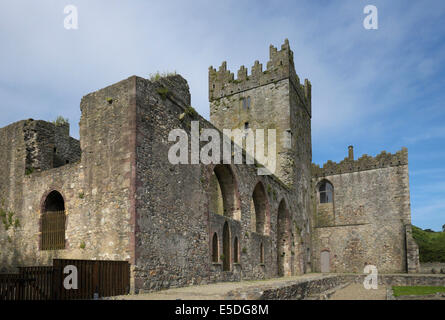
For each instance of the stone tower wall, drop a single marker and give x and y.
(175, 224)
(367, 221)
(277, 101)
(95, 185)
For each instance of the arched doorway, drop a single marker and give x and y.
(283, 240)
(236, 250)
(325, 261)
(53, 222)
(226, 247)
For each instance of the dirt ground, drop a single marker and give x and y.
(358, 292)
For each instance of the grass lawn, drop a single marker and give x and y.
(417, 290)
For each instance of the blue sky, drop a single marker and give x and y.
(375, 89)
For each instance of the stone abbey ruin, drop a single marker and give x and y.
(114, 195)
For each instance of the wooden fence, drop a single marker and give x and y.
(14, 287)
(94, 279)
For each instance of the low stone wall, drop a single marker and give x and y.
(432, 267)
(404, 279)
(291, 290)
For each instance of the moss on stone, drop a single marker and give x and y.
(163, 92)
(190, 111)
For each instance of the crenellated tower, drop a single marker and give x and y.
(270, 99)
(273, 98)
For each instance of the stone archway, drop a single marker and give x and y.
(260, 218)
(53, 222)
(224, 195)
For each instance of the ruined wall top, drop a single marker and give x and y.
(280, 66)
(365, 162)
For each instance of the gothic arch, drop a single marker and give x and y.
(226, 247)
(260, 210)
(52, 222)
(224, 196)
(236, 250)
(283, 240)
(325, 191)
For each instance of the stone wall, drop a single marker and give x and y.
(320, 287)
(276, 100)
(96, 190)
(369, 216)
(412, 251)
(174, 227)
(124, 199)
(365, 162)
(49, 145)
(432, 267)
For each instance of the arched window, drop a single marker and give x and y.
(215, 248)
(326, 192)
(216, 199)
(283, 240)
(261, 253)
(260, 210)
(226, 247)
(224, 193)
(235, 250)
(53, 222)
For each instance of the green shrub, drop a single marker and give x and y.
(60, 121)
(8, 218)
(158, 75)
(431, 244)
(190, 111)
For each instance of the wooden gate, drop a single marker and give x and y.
(53, 230)
(94, 279)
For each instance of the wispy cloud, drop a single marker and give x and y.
(429, 133)
(377, 89)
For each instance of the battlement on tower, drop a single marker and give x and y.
(365, 162)
(280, 66)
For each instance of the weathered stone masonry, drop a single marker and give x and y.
(182, 224)
(368, 220)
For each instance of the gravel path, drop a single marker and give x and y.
(358, 292)
(219, 291)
